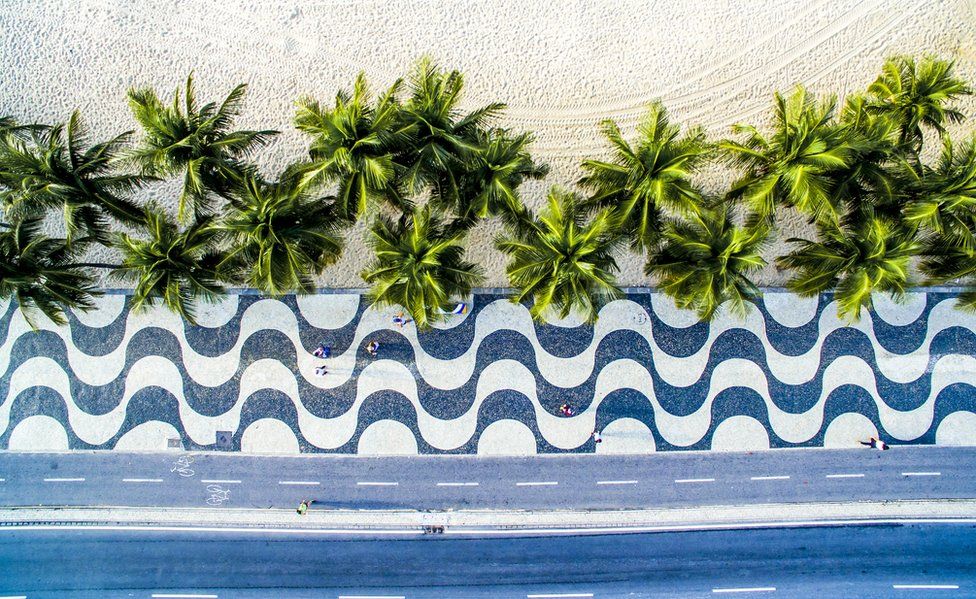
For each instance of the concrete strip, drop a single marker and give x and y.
(472, 521)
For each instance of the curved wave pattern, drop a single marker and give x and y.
(647, 375)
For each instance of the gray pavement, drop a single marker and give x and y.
(878, 561)
(451, 483)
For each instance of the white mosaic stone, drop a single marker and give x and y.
(269, 436)
(790, 310)
(740, 433)
(328, 310)
(219, 313)
(847, 430)
(387, 437)
(38, 433)
(506, 438)
(626, 436)
(899, 313)
(670, 314)
(148, 436)
(958, 428)
(107, 310)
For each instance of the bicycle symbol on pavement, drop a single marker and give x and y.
(182, 466)
(218, 495)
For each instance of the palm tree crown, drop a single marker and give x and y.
(792, 165)
(564, 260)
(915, 93)
(859, 258)
(353, 144)
(704, 260)
(652, 175)
(943, 198)
(197, 142)
(38, 272)
(419, 265)
(279, 234)
(54, 169)
(175, 266)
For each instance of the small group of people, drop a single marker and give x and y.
(876, 443)
(567, 410)
(323, 351)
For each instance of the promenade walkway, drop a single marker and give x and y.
(489, 381)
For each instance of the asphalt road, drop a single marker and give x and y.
(880, 561)
(556, 482)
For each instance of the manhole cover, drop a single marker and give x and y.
(174, 443)
(224, 439)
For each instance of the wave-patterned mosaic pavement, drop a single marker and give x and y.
(489, 381)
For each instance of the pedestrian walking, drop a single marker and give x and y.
(321, 370)
(875, 443)
(566, 410)
(373, 348)
(322, 351)
(596, 437)
(303, 506)
(399, 319)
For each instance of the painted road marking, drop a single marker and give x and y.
(921, 474)
(769, 478)
(554, 596)
(64, 480)
(142, 480)
(944, 587)
(14, 597)
(371, 597)
(214, 481)
(457, 484)
(305, 483)
(616, 482)
(746, 590)
(182, 596)
(3, 480)
(376, 484)
(694, 480)
(538, 483)
(845, 476)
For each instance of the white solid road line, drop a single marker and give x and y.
(944, 587)
(182, 596)
(921, 474)
(371, 597)
(376, 484)
(746, 590)
(559, 595)
(301, 483)
(457, 484)
(214, 481)
(142, 480)
(64, 480)
(14, 597)
(769, 478)
(537, 483)
(616, 482)
(845, 476)
(694, 480)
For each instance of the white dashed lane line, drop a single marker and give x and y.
(845, 476)
(769, 478)
(746, 590)
(215, 481)
(925, 587)
(182, 596)
(64, 480)
(559, 596)
(299, 483)
(457, 484)
(142, 480)
(372, 597)
(538, 483)
(694, 480)
(921, 474)
(616, 482)
(376, 484)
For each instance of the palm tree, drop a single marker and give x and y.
(792, 166)
(943, 198)
(279, 234)
(353, 144)
(39, 273)
(859, 258)
(419, 265)
(197, 142)
(489, 184)
(55, 168)
(915, 93)
(442, 140)
(650, 176)
(704, 261)
(564, 260)
(947, 261)
(173, 266)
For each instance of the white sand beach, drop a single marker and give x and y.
(561, 65)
